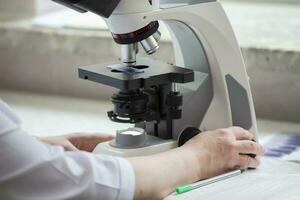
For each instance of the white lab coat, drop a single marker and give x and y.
(31, 170)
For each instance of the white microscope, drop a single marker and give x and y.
(206, 89)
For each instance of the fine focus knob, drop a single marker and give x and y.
(130, 138)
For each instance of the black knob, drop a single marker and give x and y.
(187, 134)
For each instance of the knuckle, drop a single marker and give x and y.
(231, 146)
(249, 135)
(246, 133)
(222, 131)
(253, 146)
(225, 132)
(248, 162)
(237, 128)
(245, 162)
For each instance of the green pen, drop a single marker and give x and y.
(187, 188)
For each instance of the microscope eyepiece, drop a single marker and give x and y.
(103, 8)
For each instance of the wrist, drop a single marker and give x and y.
(193, 162)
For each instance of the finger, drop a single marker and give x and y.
(242, 134)
(97, 139)
(246, 162)
(70, 147)
(249, 147)
(92, 136)
(90, 142)
(103, 138)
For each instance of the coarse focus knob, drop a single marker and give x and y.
(187, 134)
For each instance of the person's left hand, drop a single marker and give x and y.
(77, 141)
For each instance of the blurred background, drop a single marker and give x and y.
(42, 44)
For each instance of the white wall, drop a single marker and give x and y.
(26, 8)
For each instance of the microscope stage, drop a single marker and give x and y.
(145, 73)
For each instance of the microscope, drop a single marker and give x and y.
(205, 89)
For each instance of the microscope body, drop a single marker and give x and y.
(207, 88)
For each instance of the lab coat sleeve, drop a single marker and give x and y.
(33, 170)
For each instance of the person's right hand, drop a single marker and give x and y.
(206, 155)
(223, 150)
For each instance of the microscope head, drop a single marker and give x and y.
(131, 105)
(127, 32)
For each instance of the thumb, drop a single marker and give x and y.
(96, 139)
(103, 138)
(69, 147)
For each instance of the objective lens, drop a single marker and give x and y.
(157, 35)
(128, 53)
(150, 45)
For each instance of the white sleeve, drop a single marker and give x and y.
(32, 170)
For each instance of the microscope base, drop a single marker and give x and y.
(106, 148)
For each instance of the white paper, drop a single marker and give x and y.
(275, 180)
(294, 157)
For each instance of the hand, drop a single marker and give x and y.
(204, 156)
(223, 150)
(77, 141)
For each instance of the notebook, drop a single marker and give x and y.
(275, 179)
